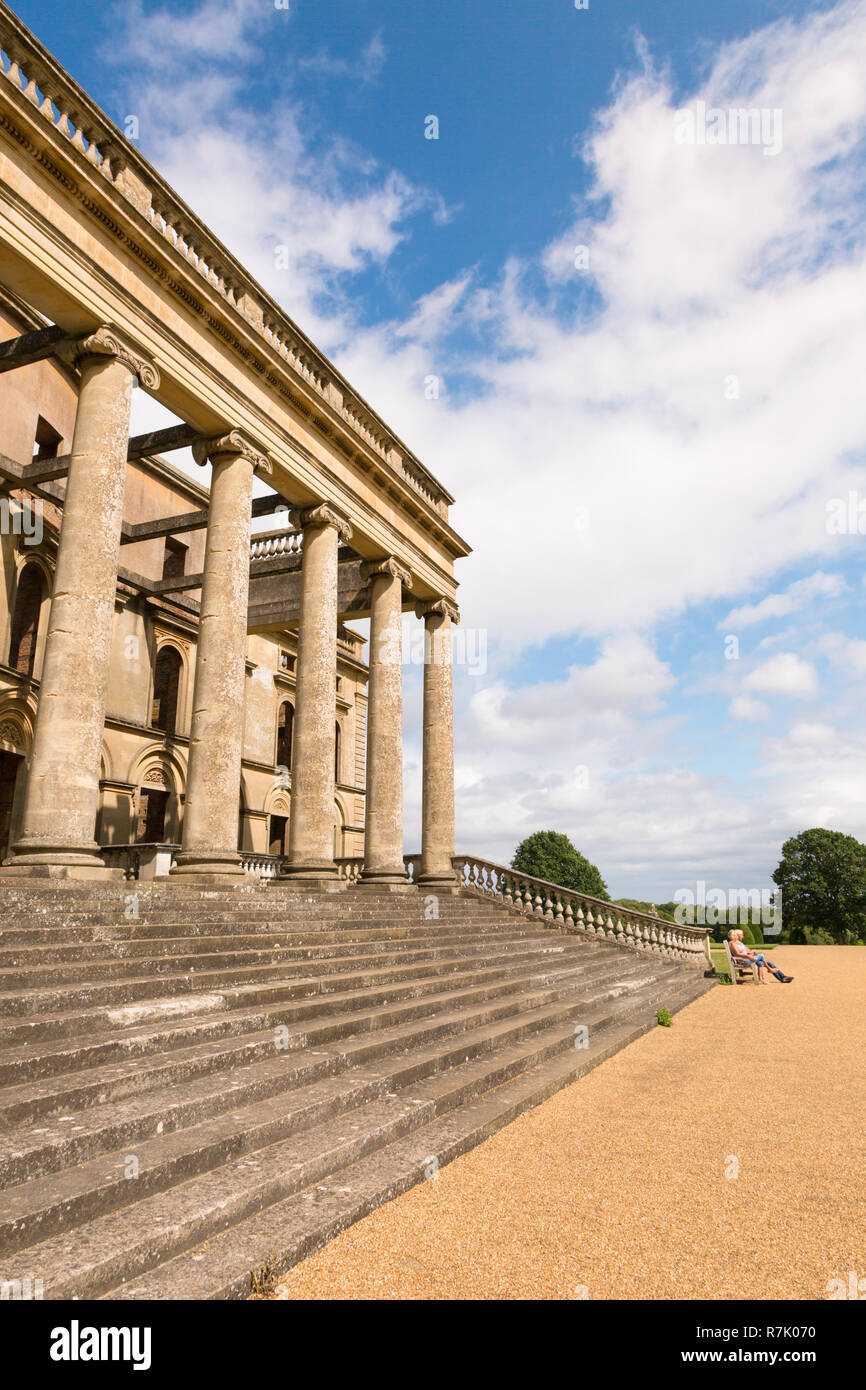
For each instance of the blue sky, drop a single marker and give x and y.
(648, 450)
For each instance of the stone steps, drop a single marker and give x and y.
(388, 1031)
(35, 1101)
(325, 1017)
(88, 1085)
(101, 961)
(109, 1007)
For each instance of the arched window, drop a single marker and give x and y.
(166, 684)
(338, 740)
(25, 619)
(285, 734)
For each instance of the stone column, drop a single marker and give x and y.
(437, 811)
(210, 819)
(310, 860)
(383, 836)
(62, 795)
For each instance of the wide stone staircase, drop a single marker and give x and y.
(197, 1089)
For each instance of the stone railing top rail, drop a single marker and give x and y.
(37, 76)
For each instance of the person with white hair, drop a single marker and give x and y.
(741, 950)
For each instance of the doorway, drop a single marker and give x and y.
(152, 807)
(277, 834)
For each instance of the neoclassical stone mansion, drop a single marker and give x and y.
(284, 1021)
(168, 675)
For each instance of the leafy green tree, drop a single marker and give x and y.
(663, 910)
(822, 877)
(549, 855)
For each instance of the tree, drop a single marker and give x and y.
(553, 857)
(822, 878)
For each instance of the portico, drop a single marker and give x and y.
(131, 289)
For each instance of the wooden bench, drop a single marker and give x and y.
(738, 967)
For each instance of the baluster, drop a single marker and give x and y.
(559, 914)
(569, 916)
(538, 904)
(548, 906)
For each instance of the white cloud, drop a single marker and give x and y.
(796, 596)
(746, 707)
(843, 651)
(368, 67)
(784, 674)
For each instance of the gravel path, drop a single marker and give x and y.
(617, 1188)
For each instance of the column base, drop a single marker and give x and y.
(385, 882)
(204, 870)
(58, 862)
(322, 877)
(439, 883)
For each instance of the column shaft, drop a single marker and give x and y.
(210, 820)
(383, 837)
(311, 829)
(62, 795)
(437, 813)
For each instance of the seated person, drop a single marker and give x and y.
(742, 952)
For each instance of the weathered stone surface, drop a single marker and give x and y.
(437, 813)
(383, 838)
(311, 836)
(210, 823)
(63, 783)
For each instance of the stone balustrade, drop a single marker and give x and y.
(36, 75)
(350, 869)
(568, 909)
(269, 545)
(260, 865)
(578, 912)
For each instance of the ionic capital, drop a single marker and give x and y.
(234, 442)
(106, 341)
(390, 565)
(314, 518)
(437, 607)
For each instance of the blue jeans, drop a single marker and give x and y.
(760, 959)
